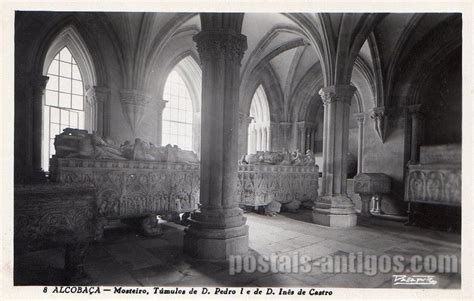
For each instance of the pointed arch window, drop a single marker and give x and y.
(71, 81)
(259, 135)
(63, 102)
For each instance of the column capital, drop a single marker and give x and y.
(360, 117)
(135, 97)
(134, 103)
(245, 119)
(161, 104)
(301, 124)
(286, 125)
(97, 94)
(39, 84)
(214, 45)
(377, 112)
(335, 93)
(101, 93)
(378, 115)
(91, 97)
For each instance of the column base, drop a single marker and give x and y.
(217, 234)
(365, 200)
(335, 211)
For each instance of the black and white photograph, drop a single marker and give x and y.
(239, 153)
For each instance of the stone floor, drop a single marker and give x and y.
(126, 258)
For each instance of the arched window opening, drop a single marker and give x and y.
(259, 136)
(178, 113)
(63, 105)
(72, 78)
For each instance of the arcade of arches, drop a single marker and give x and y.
(363, 92)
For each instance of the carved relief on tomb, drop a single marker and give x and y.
(261, 185)
(47, 213)
(132, 189)
(440, 185)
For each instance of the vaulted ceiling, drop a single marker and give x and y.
(287, 44)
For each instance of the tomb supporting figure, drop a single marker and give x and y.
(309, 158)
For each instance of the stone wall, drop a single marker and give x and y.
(388, 158)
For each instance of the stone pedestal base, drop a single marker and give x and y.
(215, 235)
(335, 211)
(365, 202)
(377, 209)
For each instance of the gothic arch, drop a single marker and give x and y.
(365, 79)
(70, 38)
(424, 58)
(307, 88)
(50, 33)
(259, 109)
(378, 72)
(263, 75)
(359, 102)
(161, 40)
(398, 52)
(259, 135)
(188, 69)
(87, 114)
(256, 56)
(70, 30)
(187, 66)
(162, 66)
(309, 24)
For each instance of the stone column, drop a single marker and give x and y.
(305, 139)
(360, 117)
(301, 136)
(258, 136)
(97, 120)
(414, 111)
(269, 138)
(218, 230)
(39, 86)
(315, 139)
(90, 111)
(102, 110)
(160, 106)
(196, 132)
(244, 133)
(334, 208)
(285, 136)
(264, 138)
(311, 139)
(251, 149)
